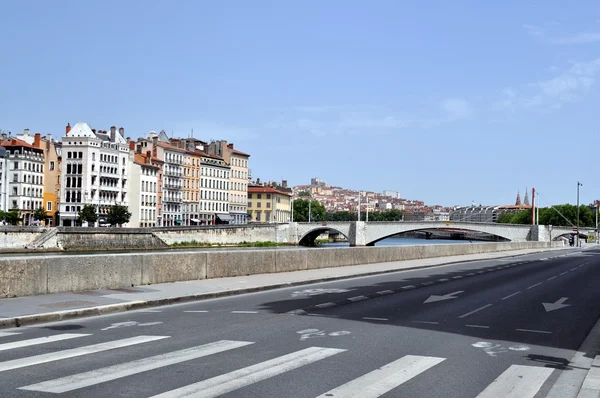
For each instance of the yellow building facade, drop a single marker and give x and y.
(268, 205)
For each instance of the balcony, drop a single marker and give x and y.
(172, 186)
(172, 173)
(172, 200)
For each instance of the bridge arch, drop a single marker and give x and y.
(455, 233)
(308, 232)
(309, 238)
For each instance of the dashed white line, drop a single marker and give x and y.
(296, 312)
(427, 283)
(386, 292)
(358, 298)
(149, 311)
(325, 305)
(443, 280)
(368, 318)
(534, 331)
(406, 287)
(197, 311)
(478, 326)
(471, 274)
(552, 277)
(564, 273)
(510, 295)
(427, 322)
(574, 268)
(474, 311)
(457, 277)
(244, 312)
(532, 286)
(481, 272)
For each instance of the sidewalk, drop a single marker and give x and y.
(20, 311)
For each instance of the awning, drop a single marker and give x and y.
(194, 220)
(225, 217)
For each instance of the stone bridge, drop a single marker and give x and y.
(368, 233)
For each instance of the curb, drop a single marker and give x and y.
(140, 304)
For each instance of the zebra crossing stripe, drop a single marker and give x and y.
(86, 379)
(517, 381)
(76, 352)
(232, 381)
(41, 340)
(384, 379)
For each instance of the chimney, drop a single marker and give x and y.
(36, 139)
(148, 156)
(68, 128)
(258, 181)
(94, 131)
(49, 137)
(113, 133)
(132, 145)
(122, 132)
(284, 183)
(26, 132)
(155, 140)
(4, 136)
(230, 145)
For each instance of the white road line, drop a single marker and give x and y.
(552, 277)
(427, 283)
(517, 381)
(385, 292)
(474, 311)
(358, 298)
(457, 277)
(76, 352)
(532, 286)
(41, 340)
(296, 312)
(443, 280)
(534, 331)
(149, 311)
(510, 295)
(471, 274)
(232, 381)
(368, 318)
(574, 268)
(196, 311)
(6, 334)
(384, 379)
(481, 272)
(102, 375)
(564, 273)
(244, 312)
(325, 305)
(407, 287)
(427, 322)
(478, 326)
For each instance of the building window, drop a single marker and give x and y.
(52, 165)
(48, 206)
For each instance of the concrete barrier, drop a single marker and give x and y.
(25, 276)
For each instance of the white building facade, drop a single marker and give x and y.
(94, 171)
(214, 189)
(143, 191)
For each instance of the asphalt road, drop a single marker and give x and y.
(497, 328)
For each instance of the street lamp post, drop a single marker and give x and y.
(578, 185)
(309, 209)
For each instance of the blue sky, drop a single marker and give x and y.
(447, 102)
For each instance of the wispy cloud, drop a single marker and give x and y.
(457, 108)
(568, 86)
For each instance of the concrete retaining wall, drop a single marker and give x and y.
(23, 276)
(225, 235)
(83, 239)
(15, 237)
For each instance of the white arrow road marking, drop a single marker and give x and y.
(557, 305)
(433, 298)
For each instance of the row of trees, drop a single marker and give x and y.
(116, 215)
(318, 213)
(552, 216)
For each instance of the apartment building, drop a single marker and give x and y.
(4, 199)
(23, 177)
(269, 205)
(52, 161)
(94, 171)
(238, 181)
(143, 189)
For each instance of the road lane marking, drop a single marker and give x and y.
(6, 334)
(378, 382)
(244, 312)
(532, 286)
(510, 295)
(457, 277)
(471, 274)
(517, 381)
(534, 331)
(368, 318)
(427, 283)
(197, 311)
(574, 268)
(149, 311)
(326, 305)
(76, 352)
(474, 311)
(102, 375)
(235, 380)
(407, 287)
(385, 292)
(478, 326)
(564, 273)
(358, 298)
(427, 322)
(552, 277)
(41, 340)
(443, 280)
(296, 312)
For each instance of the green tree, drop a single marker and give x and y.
(317, 210)
(304, 193)
(10, 217)
(118, 215)
(39, 214)
(88, 214)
